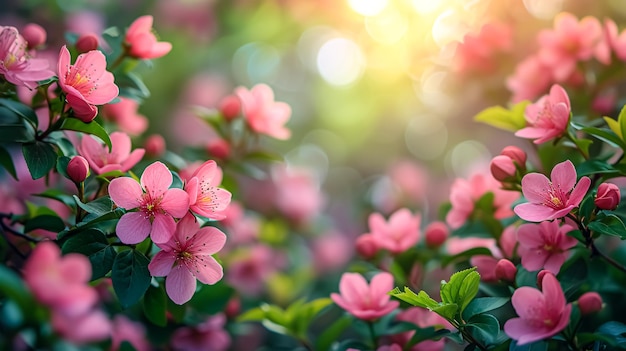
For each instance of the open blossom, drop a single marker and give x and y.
(541, 314)
(548, 117)
(124, 114)
(141, 41)
(262, 114)
(552, 198)
(531, 78)
(398, 234)
(367, 302)
(544, 245)
(205, 198)
(187, 256)
(16, 65)
(119, 158)
(157, 205)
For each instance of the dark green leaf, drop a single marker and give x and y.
(332, 333)
(130, 276)
(535, 346)
(13, 287)
(52, 223)
(212, 299)
(58, 195)
(132, 86)
(609, 225)
(594, 166)
(98, 207)
(93, 244)
(62, 162)
(484, 327)
(40, 158)
(484, 304)
(6, 161)
(605, 135)
(90, 128)
(155, 306)
(429, 333)
(21, 110)
(13, 129)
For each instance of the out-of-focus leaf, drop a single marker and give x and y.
(502, 118)
(21, 110)
(52, 223)
(13, 129)
(6, 161)
(93, 244)
(40, 158)
(130, 276)
(212, 299)
(332, 333)
(155, 306)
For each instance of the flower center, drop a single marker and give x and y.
(548, 322)
(556, 201)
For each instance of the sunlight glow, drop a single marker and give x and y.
(340, 61)
(368, 7)
(388, 27)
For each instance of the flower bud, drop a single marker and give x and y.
(87, 42)
(78, 169)
(590, 302)
(35, 35)
(608, 196)
(233, 307)
(154, 145)
(230, 107)
(502, 168)
(366, 246)
(516, 154)
(218, 148)
(506, 270)
(436, 234)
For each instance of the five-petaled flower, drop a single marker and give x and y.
(103, 160)
(552, 198)
(548, 117)
(16, 65)
(367, 302)
(262, 114)
(544, 245)
(187, 256)
(157, 205)
(142, 43)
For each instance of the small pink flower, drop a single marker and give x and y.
(505, 270)
(297, 193)
(124, 114)
(187, 256)
(87, 42)
(248, 272)
(398, 234)
(101, 160)
(436, 233)
(35, 35)
(157, 205)
(551, 199)
(141, 41)
(16, 65)
(86, 83)
(531, 78)
(478, 53)
(423, 318)
(548, 117)
(590, 302)
(541, 314)
(544, 245)
(262, 114)
(155, 145)
(205, 198)
(367, 302)
(83, 328)
(209, 335)
(127, 330)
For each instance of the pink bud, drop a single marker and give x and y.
(35, 35)
(608, 196)
(233, 307)
(516, 154)
(230, 107)
(502, 168)
(366, 246)
(542, 273)
(87, 42)
(218, 148)
(154, 145)
(590, 302)
(436, 234)
(506, 270)
(78, 169)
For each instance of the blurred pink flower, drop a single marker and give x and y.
(551, 199)
(205, 198)
(242, 228)
(547, 118)
(86, 83)
(35, 35)
(478, 53)
(16, 65)
(134, 333)
(544, 245)
(158, 205)
(613, 42)
(331, 250)
(465, 193)
(247, 272)
(187, 256)
(101, 160)
(141, 41)
(392, 347)
(399, 233)
(531, 78)
(262, 114)
(423, 318)
(83, 328)
(436, 234)
(367, 302)
(403, 186)
(541, 314)
(124, 114)
(297, 193)
(207, 336)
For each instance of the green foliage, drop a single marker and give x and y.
(92, 128)
(130, 276)
(52, 223)
(7, 162)
(93, 244)
(155, 305)
(40, 158)
(13, 128)
(502, 118)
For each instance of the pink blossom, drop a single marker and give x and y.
(120, 158)
(465, 193)
(16, 65)
(544, 245)
(187, 256)
(241, 227)
(404, 185)
(398, 234)
(551, 199)
(590, 302)
(423, 318)
(331, 251)
(157, 205)
(436, 233)
(547, 118)
(141, 41)
(83, 328)
(262, 114)
(532, 77)
(367, 302)
(478, 52)
(35, 35)
(248, 271)
(86, 83)
(608, 196)
(87, 42)
(205, 198)
(124, 114)
(297, 193)
(612, 42)
(207, 336)
(155, 145)
(541, 314)
(127, 330)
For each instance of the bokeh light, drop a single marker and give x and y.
(368, 7)
(340, 61)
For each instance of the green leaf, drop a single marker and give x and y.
(13, 129)
(502, 118)
(484, 304)
(130, 276)
(621, 119)
(211, 299)
(52, 223)
(21, 110)
(461, 288)
(13, 287)
(447, 311)
(40, 158)
(429, 333)
(535, 346)
(484, 327)
(155, 306)
(304, 315)
(421, 300)
(608, 136)
(132, 86)
(98, 207)
(594, 166)
(6, 161)
(609, 225)
(332, 333)
(93, 244)
(252, 315)
(92, 128)
(62, 162)
(58, 195)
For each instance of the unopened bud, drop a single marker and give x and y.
(78, 169)
(87, 42)
(590, 302)
(502, 168)
(516, 154)
(35, 35)
(218, 148)
(506, 270)
(154, 145)
(230, 107)
(608, 196)
(436, 234)
(366, 246)
(233, 307)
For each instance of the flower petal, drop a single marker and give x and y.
(156, 179)
(208, 240)
(535, 187)
(175, 202)
(125, 192)
(180, 284)
(163, 227)
(563, 176)
(133, 228)
(207, 270)
(161, 263)
(534, 212)
(579, 192)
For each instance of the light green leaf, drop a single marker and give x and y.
(614, 126)
(421, 300)
(447, 311)
(502, 118)
(461, 289)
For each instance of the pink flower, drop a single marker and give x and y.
(612, 42)
(367, 302)
(157, 205)
(120, 158)
(398, 234)
(86, 83)
(590, 302)
(478, 53)
(249, 271)
(532, 77)
(541, 314)
(423, 318)
(205, 198)
(35, 35)
(142, 43)
(551, 199)
(16, 65)
(209, 335)
(124, 114)
(262, 114)
(83, 328)
(544, 245)
(78, 169)
(125, 329)
(548, 117)
(437, 233)
(297, 193)
(187, 256)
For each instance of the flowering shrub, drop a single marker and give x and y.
(106, 245)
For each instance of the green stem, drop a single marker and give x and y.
(372, 333)
(81, 196)
(590, 244)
